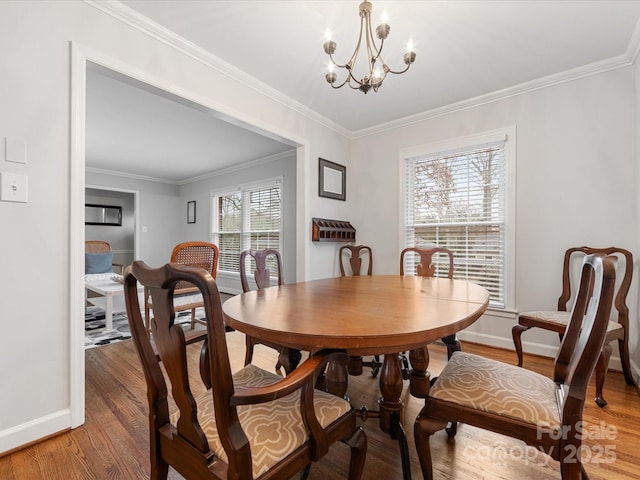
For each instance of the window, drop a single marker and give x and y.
(249, 216)
(456, 197)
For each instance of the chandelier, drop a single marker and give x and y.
(377, 68)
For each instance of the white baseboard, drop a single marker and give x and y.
(34, 430)
(528, 347)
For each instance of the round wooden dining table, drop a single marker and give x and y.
(364, 315)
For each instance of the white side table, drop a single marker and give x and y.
(107, 289)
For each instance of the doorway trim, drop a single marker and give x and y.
(80, 56)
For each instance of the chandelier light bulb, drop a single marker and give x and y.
(375, 67)
(410, 46)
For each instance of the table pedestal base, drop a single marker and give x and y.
(391, 413)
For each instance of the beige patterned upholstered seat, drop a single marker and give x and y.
(250, 425)
(274, 429)
(495, 387)
(552, 316)
(512, 401)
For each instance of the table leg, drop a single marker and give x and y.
(109, 313)
(418, 375)
(391, 408)
(336, 379)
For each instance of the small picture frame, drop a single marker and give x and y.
(191, 211)
(332, 180)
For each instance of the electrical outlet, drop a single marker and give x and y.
(13, 187)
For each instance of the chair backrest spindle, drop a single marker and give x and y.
(357, 254)
(427, 267)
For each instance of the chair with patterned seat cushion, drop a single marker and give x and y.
(519, 403)
(265, 262)
(556, 321)
(251, 424)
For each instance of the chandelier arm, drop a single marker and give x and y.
(371, 44)
(354, 57)
(354, 87)
(341, 85)
(336, 63)
(350, 77)
(397, 72)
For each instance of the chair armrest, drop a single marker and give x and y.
(303, 375)
(118, 268)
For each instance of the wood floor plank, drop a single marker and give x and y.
(114, 441)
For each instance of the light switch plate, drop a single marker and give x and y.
(15, 150)
(13, 187)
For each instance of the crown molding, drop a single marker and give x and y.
(596, 68)
(134, 176)
(145, 25)
(240, 166)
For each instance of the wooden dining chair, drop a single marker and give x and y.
(194, 254)
(251, 424)
(426, 267)
(556, 321)
(265, 262)
(520, 403)
(351, 260)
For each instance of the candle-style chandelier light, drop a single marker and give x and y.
(377, 68)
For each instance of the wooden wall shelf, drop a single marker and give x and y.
(327, 230)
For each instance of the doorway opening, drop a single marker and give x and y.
(82, 62)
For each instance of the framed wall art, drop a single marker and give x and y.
(102, 215)
(191, 211)
(332, 180)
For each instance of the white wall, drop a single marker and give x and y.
(120, 237)
(200, 191)
(36, 98)
(575, 186)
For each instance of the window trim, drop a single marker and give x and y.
(507, 134)
(245, 187)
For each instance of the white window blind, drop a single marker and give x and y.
(247, 217)
(456, 199)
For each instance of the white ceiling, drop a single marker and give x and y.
(135, 129)
(465, 49)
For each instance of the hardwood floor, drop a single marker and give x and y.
(113, 443)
